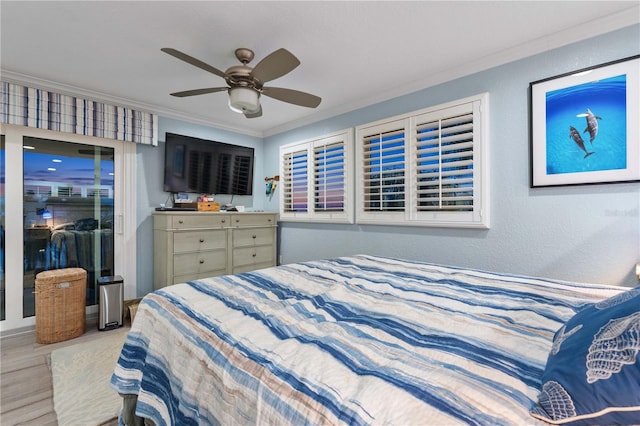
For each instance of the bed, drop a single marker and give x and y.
(363, 340)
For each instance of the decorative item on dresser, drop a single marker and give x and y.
(193, 245)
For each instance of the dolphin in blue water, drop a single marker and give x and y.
(592, 124)
(575, 135)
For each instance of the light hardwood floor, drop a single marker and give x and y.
(26, 390)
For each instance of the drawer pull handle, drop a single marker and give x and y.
(237, 220)
(202, 240)
(254, 255)
(254, 237)
(180, 221)
(201, 261)
(223, 220)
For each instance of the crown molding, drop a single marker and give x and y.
(584, 31)
(594, 28)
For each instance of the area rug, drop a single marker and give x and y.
(81, 375)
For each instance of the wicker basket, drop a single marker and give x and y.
(60, 304)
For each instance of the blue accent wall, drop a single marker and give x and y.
(582, 233)
(585, 233)
(150, 169)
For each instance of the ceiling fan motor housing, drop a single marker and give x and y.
(240, 75)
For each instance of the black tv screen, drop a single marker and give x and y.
(206, 167)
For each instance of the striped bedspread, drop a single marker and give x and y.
(351, 340)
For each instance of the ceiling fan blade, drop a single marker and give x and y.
(195, 92)
(292, 96)
(275, 65)
(254, 114)
(193, 61)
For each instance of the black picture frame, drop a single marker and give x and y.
(585, 126)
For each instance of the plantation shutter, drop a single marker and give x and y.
(444, 169)
(317, 179)
(383, 173)
(329, 177)
(426, 168)
(294, 181)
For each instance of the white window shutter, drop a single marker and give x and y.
(317, 179)
(426, 168)
(329, 177)
(444, 164)
(382, 172)
(294, 176)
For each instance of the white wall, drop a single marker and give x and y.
(581, 233)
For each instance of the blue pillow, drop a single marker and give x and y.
(592, 374)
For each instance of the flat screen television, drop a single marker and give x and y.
(201, 166)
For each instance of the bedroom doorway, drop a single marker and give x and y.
(68, 208)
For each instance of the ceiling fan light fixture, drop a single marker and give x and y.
(244, 100)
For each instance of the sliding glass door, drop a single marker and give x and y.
(68, 200)
(66, 197)
(2, 243)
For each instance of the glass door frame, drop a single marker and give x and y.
(125, 225)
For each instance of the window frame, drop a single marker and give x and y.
(478, 217)
(312, 214)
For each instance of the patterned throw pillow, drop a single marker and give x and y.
(593, 371)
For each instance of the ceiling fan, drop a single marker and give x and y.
(246, 84)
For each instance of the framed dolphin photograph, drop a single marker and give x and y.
(585, 125)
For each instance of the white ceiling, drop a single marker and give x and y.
(352, 54)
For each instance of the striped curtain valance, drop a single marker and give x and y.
(26, 106)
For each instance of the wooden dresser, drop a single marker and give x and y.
(192, 245)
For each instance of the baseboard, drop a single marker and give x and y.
(18, 331)
(91, 319)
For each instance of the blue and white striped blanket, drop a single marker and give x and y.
(351, 340)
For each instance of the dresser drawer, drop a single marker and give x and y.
(198, 263)
(190, 241)
(252, 255)
(248, 219)
(177, 279)
(253, 237)
(251, 267)
(199, 220)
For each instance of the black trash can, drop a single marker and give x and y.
(111, 302)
